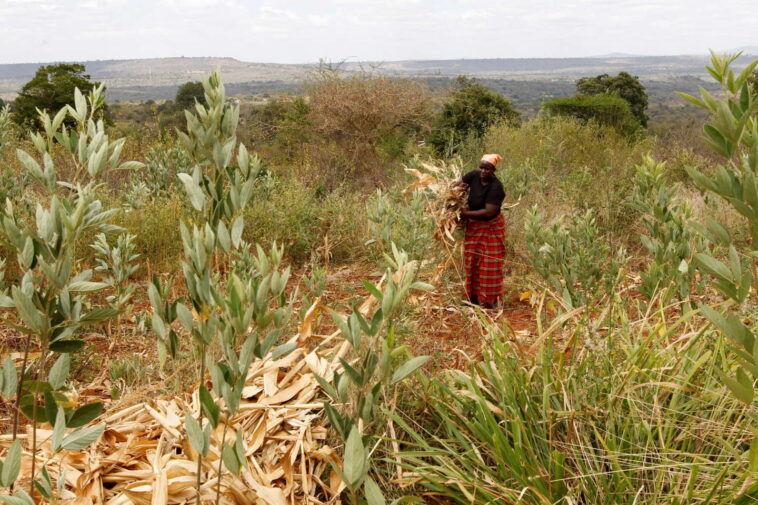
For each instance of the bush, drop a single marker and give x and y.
(281, 127)
(321, 228)
(624, 86)
(6, 129)
(357, 113)
(573, 258)
(470, 110)
(605, 109)
(402, 220)
(312, 227)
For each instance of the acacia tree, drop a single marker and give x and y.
(52, 89)
(470, 110)
(624, 85)
(360, 111)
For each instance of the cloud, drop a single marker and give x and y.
(297, 31)
(101, 4)
(193, 3)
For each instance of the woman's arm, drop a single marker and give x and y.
(489, 211)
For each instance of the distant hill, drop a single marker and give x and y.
(650, 67)
(158, 78)
(753, 50)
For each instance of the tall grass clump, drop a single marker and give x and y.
(639, 417)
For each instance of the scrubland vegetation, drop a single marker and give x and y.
(170, 261)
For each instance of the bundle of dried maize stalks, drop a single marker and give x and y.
(446, 201)
(144, 456)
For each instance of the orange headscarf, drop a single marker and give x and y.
(494, 159)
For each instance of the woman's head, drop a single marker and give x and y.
(488, 164)
(492, 159)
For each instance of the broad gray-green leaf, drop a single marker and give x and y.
(11, 465)
(86, 286)
(19, 499)
(10, 379)
(59, 429)
(355, 458)
(230, 459)
(26, 309)
(713, 266)
(185, 316)
(374, 495)
(59, 371)
(6, 301)
(131, 165)
(196, 195)
(237, 228)
(82, 438)
(224, 240)
(195, 434)
(408, 368)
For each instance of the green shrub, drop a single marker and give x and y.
(573, 258)
(624, 86)
(156, 229)
(400, 219)
(310, 226)
(668, 238)
(605, 109)
(469, 111)
(163, 163)
(6, 129)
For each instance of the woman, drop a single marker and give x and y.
(484, 247)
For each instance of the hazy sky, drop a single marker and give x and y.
(299, 31)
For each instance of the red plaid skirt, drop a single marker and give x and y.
(484, 256)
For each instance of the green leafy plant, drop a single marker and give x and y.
(605, 109)
(669, 235)
(640, 422)
(53, 88)
(6, 129)
(403, 223)
(117, 264)
(573, 258)
(470, 110)
(623, 85)
(239, 316)
(159, 178)
(54, 300)
(370, 375)
(732, 131)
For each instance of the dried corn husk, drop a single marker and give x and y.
(446, 201)
(144, 457)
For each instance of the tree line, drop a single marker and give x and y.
(467, 111)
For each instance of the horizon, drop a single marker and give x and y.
(620, 55)
(297, 32)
